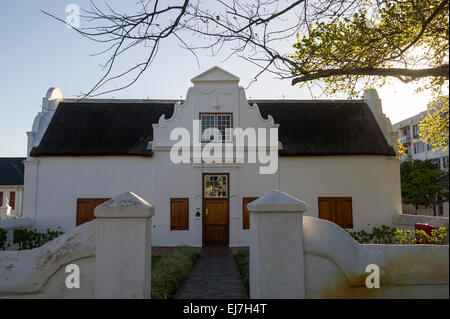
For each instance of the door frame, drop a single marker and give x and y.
(227, 199)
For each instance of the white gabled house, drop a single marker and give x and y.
(337, 156)
(11, 186)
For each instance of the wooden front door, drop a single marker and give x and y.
(215, 221)
(215, 209)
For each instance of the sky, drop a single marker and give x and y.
(38, 52)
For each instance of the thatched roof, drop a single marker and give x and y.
(11, 170)
(307, 128)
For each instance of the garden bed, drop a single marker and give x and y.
(242, 261)
(171, 271)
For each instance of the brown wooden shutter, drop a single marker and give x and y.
(85, 208)
(326, 209)
(179, 214)
(245, 212)
(344, 216)
(1, 199)
(337, 210)
(12, 200)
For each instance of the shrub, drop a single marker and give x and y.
(379, 235)
(3, 238)
(170, 272)
(242, 261)
(421, 237)
(394, 235)
(29, 239)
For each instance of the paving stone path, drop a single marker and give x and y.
(214, 277)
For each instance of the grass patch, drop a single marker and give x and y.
(242, 261)
(171, 271)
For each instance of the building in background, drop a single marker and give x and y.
(11, 183)
(408, 134)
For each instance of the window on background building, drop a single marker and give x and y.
(405, 131)
(441, 209)
(220, 121)
(408, 149)
(429, 147)
(419, 147)
(416, 130)
(436, 161)
(12, 200)
(445, 162)
(1, 199)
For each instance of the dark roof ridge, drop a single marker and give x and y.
(74, 100)
(307, 101)
(160, 101)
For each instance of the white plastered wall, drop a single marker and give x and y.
(373, 182)
(61, 180)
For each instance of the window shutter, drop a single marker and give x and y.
(179, 214)
(344, 216)
(1, 199)
(337, 210)
(245, 212)
(12, 200)
(85, 208)
(326, 209)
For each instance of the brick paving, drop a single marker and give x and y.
(215, 276)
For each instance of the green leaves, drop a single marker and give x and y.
(3, 238)
(407, 34)
(434, 128)
(394, 235)
(421, 237)
(379, 235)
(419, 183)
(29, 239)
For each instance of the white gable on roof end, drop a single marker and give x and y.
(215, 74)
(214, 91)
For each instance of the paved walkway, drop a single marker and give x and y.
(215, 276)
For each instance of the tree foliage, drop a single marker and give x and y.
(434, 128)
(401, 149)
(409, 40)
(419, 183)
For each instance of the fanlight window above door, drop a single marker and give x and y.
(216, 186)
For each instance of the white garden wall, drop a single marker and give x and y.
(40, 272)
(102, 250)
(296, 256)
